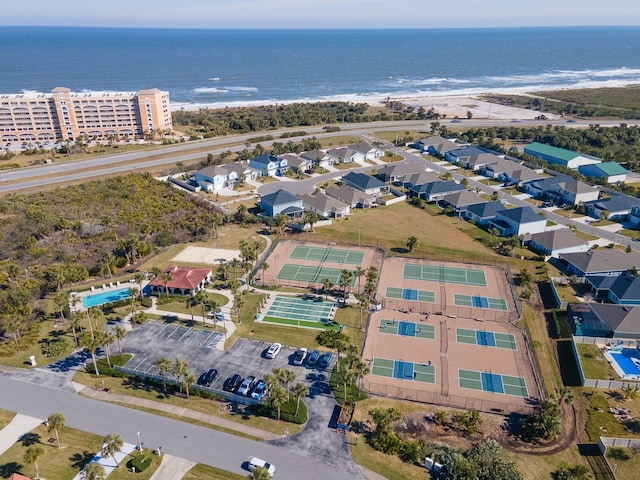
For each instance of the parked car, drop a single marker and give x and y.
(313, 357)
(207, 378)
(325, 359)
(246, 385)
(299, 356)
(259, 391)
(231, 383)
(256, 462)
(273, 350)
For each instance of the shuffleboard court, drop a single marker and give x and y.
(415, 372)
(492, 383)
(329, 254)
(442, 274)
(310, 274)
(407, 329)
(301, 312)
(476, 301)
(486, 338)
(411, 294)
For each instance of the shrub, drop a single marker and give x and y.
(140, 462)
(146, 302)
(57, 347)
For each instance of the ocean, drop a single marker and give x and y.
(218, 68)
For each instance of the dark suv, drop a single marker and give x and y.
(232, 383)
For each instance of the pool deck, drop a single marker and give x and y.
(105, 287)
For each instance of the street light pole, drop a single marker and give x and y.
(139, 442)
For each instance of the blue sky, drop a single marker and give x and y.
(320, 13)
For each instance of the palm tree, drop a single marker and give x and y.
(74, 322)
(120, 332)
(271, 380)
(94, 471)
(300, 390)
(412, 242)
(264, 267)
(112, 445)
(166, 277)
(191, 302)
(32, 455)
(361, 370)
(107, 339)
(360, 272)
(260, 473)
(280, 374)
(133, 292)
(200, 298)
(345, 281)
(91, 343)
(278, 396)
(289, 377)
(180, 369)
(61, 300)
(327, 285)
(163, 364)
(55, 422)
(348, 377)
(188, 380)
(139, 278)
(155, 272)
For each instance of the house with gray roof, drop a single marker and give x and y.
(279, 202)
(461, 200)
(478, 160)
(433, 191)
(461, 155)
(326, 206)
(369, 185)
(395, 172)
(562, 189)
(623, 289)
(269, 165)
(521, 175)
(419, 179)
(242, 169)
(435, 145)
(600, 262)
(555, 242)
(482, 213)
(618, 206)
(319, 158)
(215, 178)
(604, 320)
(518, 221)
(298, 164)
(352, 196)
(346, 155)
(369, 151)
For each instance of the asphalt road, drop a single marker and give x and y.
(184, 440)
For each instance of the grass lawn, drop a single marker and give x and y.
(566, 293)
(585, 236)
(205, 472)
(630, 233)
(123, 473)
(180, 306)
(601, 223)
(626, 462)
(600, 421)
(5, 418)
(594, 365)
(59, 464)
(328, 142)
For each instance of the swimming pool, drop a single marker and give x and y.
(105, 297)
(626, 363)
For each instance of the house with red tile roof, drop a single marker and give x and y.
(184, 280)
(17, 476)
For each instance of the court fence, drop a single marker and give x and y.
(452, 401)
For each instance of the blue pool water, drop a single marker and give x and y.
(623, 359)
(105, 297)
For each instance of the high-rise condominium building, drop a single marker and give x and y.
(64, 115)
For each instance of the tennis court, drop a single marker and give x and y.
(417, 372)
(329, 254)
(492, 383)
(407, 329)
(479, 302)
(442, 274)
(312, 274)
(486, 339)
(411, 294)
(300, 312)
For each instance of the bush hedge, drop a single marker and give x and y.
(140, 462)
(287, 411)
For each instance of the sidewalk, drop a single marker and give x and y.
(175, 410)
(20, 425)
(172, 468)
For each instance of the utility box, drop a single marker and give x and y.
(431, 465)
(32, 359)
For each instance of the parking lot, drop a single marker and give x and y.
(246, 357)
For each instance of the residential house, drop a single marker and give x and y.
(370, 152)
(326, 206)
(461, 155)
(269, 165)
(435, 145)
(369, 185)
(242, 170)
(352, 196)
(397, 171)
(283, 202)
(562, 189)
(298, 164)
(499, 168)
(483, 213)
(319, 158)
(625, 290)
(634, 215)
(419, 178)
(559, 156)
(616, 207)
(611, 172)
(604, 320)
(520, 175)
(518, 221)
(476, 161)
(346, 155)
(433, 191)
(601, 262)
(461, 200)
(182, 280)
(215, 178)
(555, 242)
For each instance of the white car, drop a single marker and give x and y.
(255, 462)
(273, 350)
(299, 356)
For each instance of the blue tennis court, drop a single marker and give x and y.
(402, 370)
(411, 294)
(492, 383)
(486, 338)
(407, 329)
(477, 301)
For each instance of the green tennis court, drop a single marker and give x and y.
(486, 338)
(407, 329)
(416, 372)
(411, 294)
(442, 274)
(305, 273)
(476, 301)
(492, 382)
(301, 312)
(329, 254)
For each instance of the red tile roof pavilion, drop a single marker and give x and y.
(186, 280)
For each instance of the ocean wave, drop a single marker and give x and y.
(214, 79)
(224, 89)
